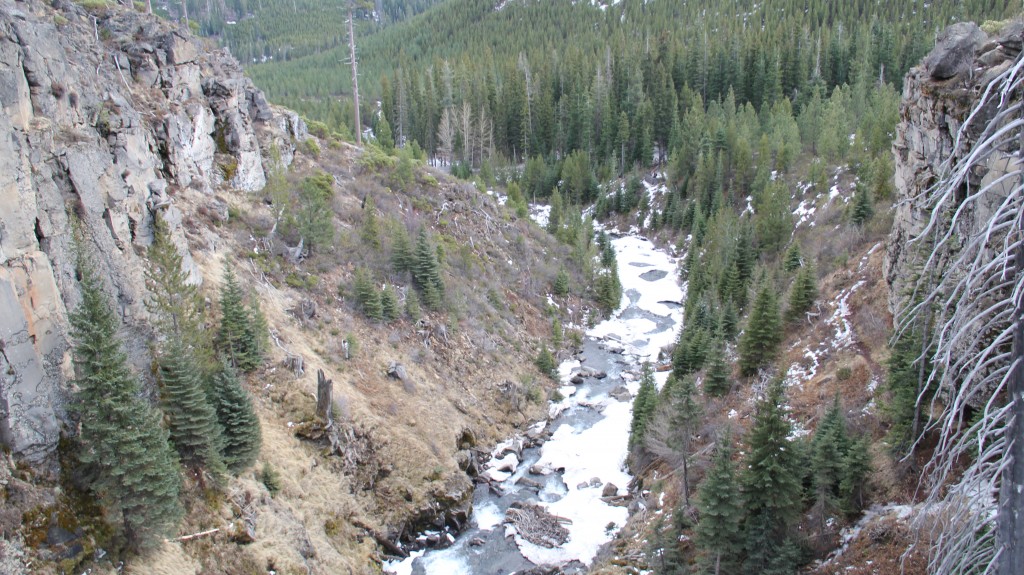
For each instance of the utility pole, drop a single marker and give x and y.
(355, 74)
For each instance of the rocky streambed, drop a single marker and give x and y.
(554, 495)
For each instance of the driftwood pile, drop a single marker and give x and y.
(537, 526)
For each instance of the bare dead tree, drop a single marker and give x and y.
(445, 136)
(358, 128)
(465, 117)
(976, 302)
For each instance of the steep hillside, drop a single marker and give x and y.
(855, 356)
(115, 125)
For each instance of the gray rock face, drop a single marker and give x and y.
(116, 132)
(933, 111)
(954, 50)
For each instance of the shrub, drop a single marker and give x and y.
(271, 479)
(311, 148)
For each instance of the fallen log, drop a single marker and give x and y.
(381, 540)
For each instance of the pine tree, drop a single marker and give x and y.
(242, 329)
(401, 251)
(368, 297)
(719, 532)
(192, 420)
(643, 406)
(760, 341)
(314, 218)
(771, 485)
(555, 215)
(370, 231)
(389, 304)
(828, 451)
(607, 285)
(412, 305)
(426, 273)
(773, 220)
(862, 206)
(793, 259)
(135, 470)
(172, 299)
(545, 362)
(384, 136)
(404, 175)
(557, 334)
(561, 285)
(257, 337)
(856, 467)
(729, 284)
(802, 294)
(240, 427)
(730, 321)
(903, 382)
(717, 380)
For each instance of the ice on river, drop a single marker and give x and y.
(600, 451)
(636, 258)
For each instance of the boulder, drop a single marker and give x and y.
(609, 490)
(620, 393)
(397, 371)
(180, 50)
(954, 50)
(527, 482)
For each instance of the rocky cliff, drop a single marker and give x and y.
(933, 136)
(105, 132)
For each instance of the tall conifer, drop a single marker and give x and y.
(719, 501)
(240, 425)
(135, 470)
(643, 406)
(760, 341)
(771, 486)
(191, 418)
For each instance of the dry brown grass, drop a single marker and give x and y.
(412, 433)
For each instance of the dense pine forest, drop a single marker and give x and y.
(524, 79)
(267, 30)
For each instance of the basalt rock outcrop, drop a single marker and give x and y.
(938, 98)
(107, 120)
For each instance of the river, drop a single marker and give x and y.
(570, 473)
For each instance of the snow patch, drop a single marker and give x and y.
(844, 330)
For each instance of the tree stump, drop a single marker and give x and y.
(324, 401)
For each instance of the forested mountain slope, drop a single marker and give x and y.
(555, 76)
(260, 30)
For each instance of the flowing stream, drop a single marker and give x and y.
(573, 473)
